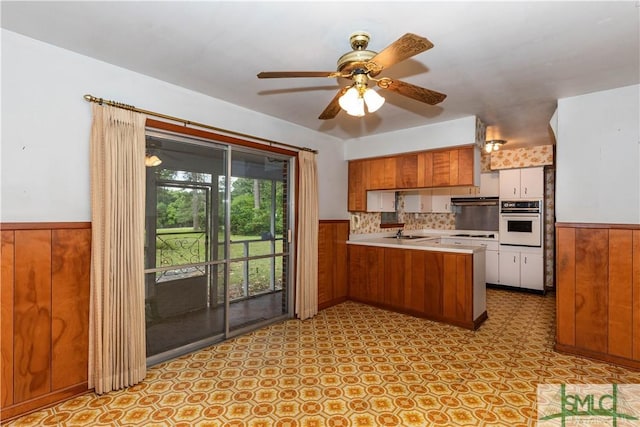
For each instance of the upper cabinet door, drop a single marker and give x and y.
(527, 183)
(510, 184)
(382, 173)
(425, 169)
(442, 168)
(465, 167)
(407, 171)
(357, 190)
(532, 183)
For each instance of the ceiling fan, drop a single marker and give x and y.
(362, 66)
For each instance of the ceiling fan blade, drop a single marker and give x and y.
(286, 74)
(412, 91)
(333, 108)
(403, 48)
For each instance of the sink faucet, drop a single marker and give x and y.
(399, 233)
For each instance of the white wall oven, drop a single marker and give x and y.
(521, 222)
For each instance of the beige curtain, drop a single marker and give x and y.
(117, 354)
(307, 247)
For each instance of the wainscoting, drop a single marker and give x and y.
(598, 291)
(332, 262)
(45, 314)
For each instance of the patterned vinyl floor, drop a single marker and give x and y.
(354, 365)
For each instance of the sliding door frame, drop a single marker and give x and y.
(236, 144)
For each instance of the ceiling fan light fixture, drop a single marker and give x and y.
(373, 100)
(357, 109)
(349, 100)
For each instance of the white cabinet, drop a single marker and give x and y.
(417, 201)
(489, 187)
(381, 201)
(464, 191)
(492, 268)
(509, 268)
(526, 183)
(520, 267)
(489, 184)
(440, 200)
(435, 200)
(532, 271)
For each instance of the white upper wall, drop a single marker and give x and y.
(44, 154)
(598, 157)
(446, 134)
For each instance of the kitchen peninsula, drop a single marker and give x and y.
(419, 275)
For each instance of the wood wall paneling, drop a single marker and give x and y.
(566, 286)
(636, 294)
(32, 314)
(592, 256)
(332, 262)
(598, 291)
(620, 294)
(71, 258)
(325, 260)
(6, 317)
(340, 279)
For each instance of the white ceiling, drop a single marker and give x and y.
(506, 62)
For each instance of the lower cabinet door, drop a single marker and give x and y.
(532, 271)
(492, 269)
(509, 268)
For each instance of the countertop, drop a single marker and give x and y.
(429, 240)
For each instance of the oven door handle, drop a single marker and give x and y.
(520, 216)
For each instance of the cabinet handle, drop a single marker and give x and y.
(514, 191)
(525, 260)
(514, 259)
(525, 190)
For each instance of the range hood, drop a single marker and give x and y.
(474, 201)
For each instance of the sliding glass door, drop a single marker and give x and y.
(216, 243)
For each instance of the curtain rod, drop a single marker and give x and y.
(101, 101)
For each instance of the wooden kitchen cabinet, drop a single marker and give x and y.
(397, 276)
(425, 169)
(453, 167)
(407, 171)
(357, 188)
(366, 273)
(382, 173)
(431, 284)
